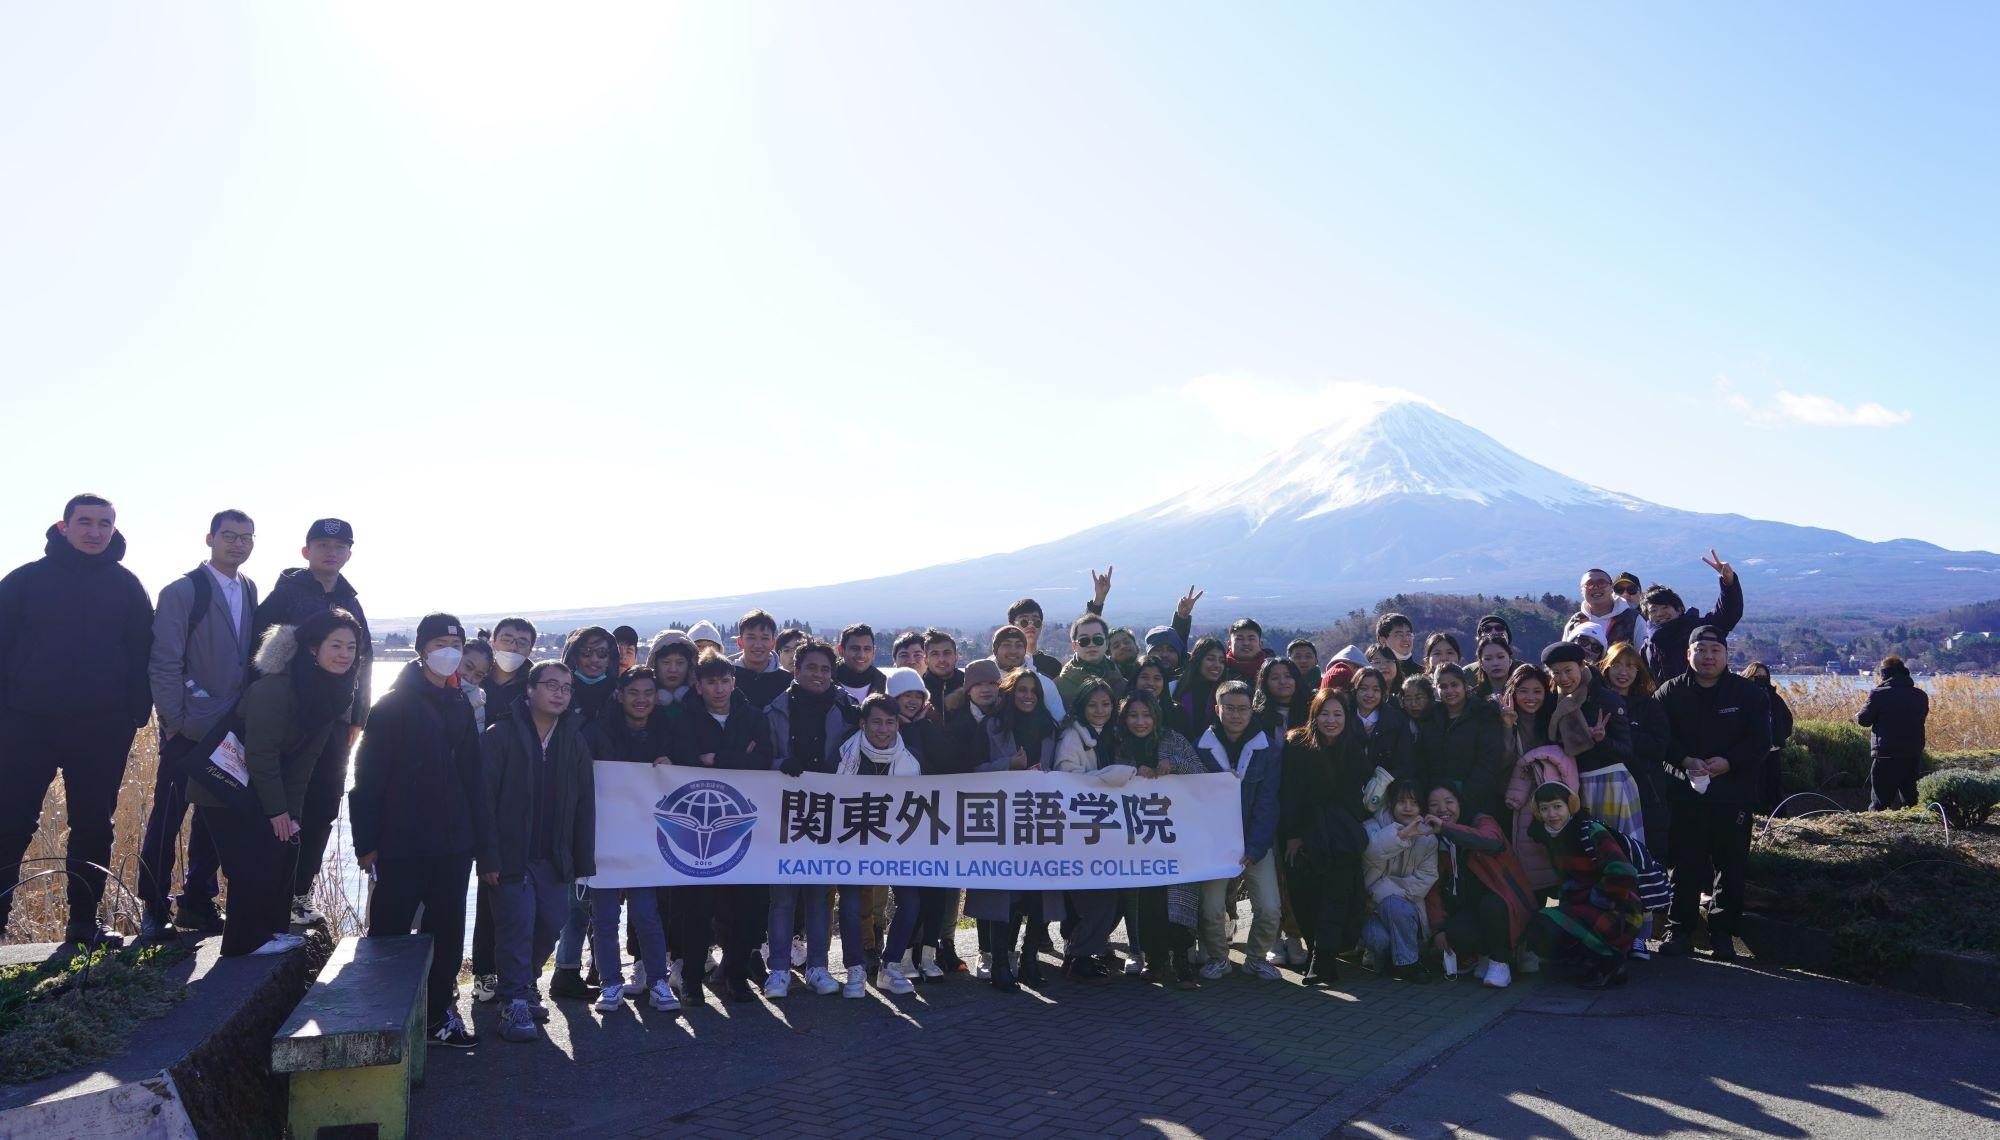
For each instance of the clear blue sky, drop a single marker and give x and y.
(607, 305)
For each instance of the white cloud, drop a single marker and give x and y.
(1787, 407)
(1280, 411)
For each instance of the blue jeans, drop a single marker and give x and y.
(644, 906)
(1393, 931)
(576, 924)
(526, 917)
(786, 899)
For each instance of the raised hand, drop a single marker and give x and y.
(1714, 562)
(1100, 584)
(1597, 730)
(1186, 606)
(1507, 709)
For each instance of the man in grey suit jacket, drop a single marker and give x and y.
(202, 645)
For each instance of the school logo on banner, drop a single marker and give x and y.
(704, 827)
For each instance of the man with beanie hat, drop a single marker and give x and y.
(1718, 733)
(705, 636)
(75, 629)
(1166, 644)
(300, 593)
(417, 813)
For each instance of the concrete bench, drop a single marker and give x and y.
(355, 1045)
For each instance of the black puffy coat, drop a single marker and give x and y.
(75, 632)
(417, 781)
(1894, 717)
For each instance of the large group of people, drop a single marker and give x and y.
(1417, 813)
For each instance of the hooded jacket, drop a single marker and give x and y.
(1894, 715)
(75, 632)
(298, 596)
(509, 753)
(281, 739)
(417, 786)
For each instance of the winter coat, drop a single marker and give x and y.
(742, 742)
(510, 752)
(1466, 749)
(999, 749)
(1781, 717)
(1616, 747)
(1319, 801)
(298, 596)
(1597, 899)
(1538, 766)
(1001, 746)
(417, 782)
(841, 717)
(964, 734)
(927, 741)
(1623, 623)
(1079, 750)
(1894, 717)
(1394, 867)
(1730, 719)
(942, 687)
(1074, 675)
(1261, 775)
(197, 670)
(1391, 746)
(75, 633)
(1480, 851)
(281, 742)
(611, 739)
(761, 688)
(1665, 650)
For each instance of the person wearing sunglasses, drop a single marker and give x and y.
(1613, 618)
(1090, 658)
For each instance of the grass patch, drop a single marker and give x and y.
(1882, 885)
(53, 1020)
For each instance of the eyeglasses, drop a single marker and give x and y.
(555, 688)
(1627, 590)
(1092, 639)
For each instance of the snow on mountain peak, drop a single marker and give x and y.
(1393, 447)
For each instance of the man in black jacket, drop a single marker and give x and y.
(721, 732)
(1718, 735)
(1665, 651)
(75, 631)
(542, 803)
(416, 812)
(300, 593)
(1895, 716)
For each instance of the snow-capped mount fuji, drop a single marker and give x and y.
(1402, 499)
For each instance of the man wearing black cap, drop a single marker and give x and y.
(1718, 732)
(75, 630)
(301, 592)
(416, 813)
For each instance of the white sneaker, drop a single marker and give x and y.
(1216, 971)
(928, 965)
(485, 987)
(1531, 962)
(1276, 954)
(1479, 971)
(674, 976)
(984, 970)
(857, 983)
(638, 983)
(303, 913)
(898, 981)
(821, 981)
(1498, 976)
(1133, 965)
(609, 998)
(1262, 970)
(1296, 953)
(663, 999)
(281, 944)
(778, 985)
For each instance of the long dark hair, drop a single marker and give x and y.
(1307, 733)
(1265, 705)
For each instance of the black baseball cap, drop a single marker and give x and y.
(1708, 633)
(331, 528)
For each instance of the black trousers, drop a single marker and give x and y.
(1480, 929)
(437, 884)
(322, 807)
(932, 905)
(697, 913)
(482, 933)
(158, 850)
(1329, 901)
(259, 867)
(1892, 782)
(90, 753)
(1157, 935)
(1711, 847)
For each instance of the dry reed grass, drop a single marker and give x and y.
(1965, 710)
(40, 907)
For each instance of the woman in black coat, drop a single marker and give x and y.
(1461, 741)
(1320, 811)
(1383, 725)
(1894, 715)
(1771, 779)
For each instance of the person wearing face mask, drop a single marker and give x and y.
(305, 685)
(1770, 782)
(592, 657)
(1590, 928)
(473, 669)
(416, 812)
(505, 686)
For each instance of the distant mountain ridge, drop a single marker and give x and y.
(1405, 498)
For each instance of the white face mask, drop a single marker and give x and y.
(443, 661)
(508, 661)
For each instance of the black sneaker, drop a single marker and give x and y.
(738, 990)
(93, 937)
(156, 929)
(454, 1033)
(198, 915)
(1675, 947)
(1723, 948)
(568, 983)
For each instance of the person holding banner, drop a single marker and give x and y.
(1085, 745)
(923, 734)
(1233, 745)
(1020, 735)
(1163, 919)
(878, 750)
(306, 685)
(627, 733)
(809, 721)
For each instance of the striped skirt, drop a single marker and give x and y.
(1611, 796)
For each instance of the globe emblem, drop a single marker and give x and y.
(704, 828)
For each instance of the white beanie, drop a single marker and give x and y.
(1353, 656)
(903, 680)
(705, 631)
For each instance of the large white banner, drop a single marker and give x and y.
(669, 826)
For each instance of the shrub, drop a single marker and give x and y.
(1967, 797)
(1826, 754)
